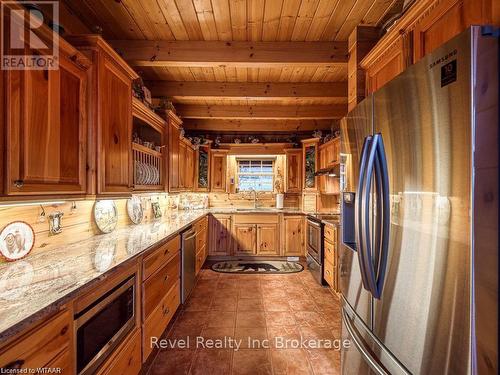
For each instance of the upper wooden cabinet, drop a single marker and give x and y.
(310, 164)
(46, 127)
(329, 157)
(426, 25)
(110, 137)
(293, 177)
(202, 169)
(218, 172)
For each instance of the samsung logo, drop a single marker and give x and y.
(443, 59)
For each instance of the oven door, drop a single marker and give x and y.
(103, 325)
(314, 240)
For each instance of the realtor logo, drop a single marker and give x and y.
(26, 44)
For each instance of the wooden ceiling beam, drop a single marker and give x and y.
(257, 125)
(247, 90)
(262, 111)
(231, 54)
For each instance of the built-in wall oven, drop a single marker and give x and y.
(101, 326)
(314, 233)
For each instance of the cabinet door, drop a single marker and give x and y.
(173, 153)
(390, 63)
(220, 235)
(46, 127)
(443, 23)
(267, 239)
(182, 165)
(218, 175)
(294, 171)
(293, 235)
(189, 168)
(115, 130)
(245, 239)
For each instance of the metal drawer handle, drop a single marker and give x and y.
(18, 183)
(166, 278)
(166, 252)
(165, 311)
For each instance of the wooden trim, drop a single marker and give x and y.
(231, 54)
(255, 149)
(263, 111)
(258, 125)
(93, 41)
(247, 90)
(141, 111)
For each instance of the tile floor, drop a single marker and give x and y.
(273, 307)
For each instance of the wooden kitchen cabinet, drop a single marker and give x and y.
(427, 25)
(189, 170)
(46, 127)
(293, 177)
(310, 164)
(293, 236)
(41, 345)
(110, 137)
(219, 235)
(127, 357)
(202, 169)
(329, 157)
(268, 239)
(182, 165)
(201, 230)
(245, 237)
(330, 272)
(173, 124)
(218, 163)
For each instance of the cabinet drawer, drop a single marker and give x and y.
(128, 360)
(62, 361)
(161, 256)
(160, 283)
(160, 317)
(201, 224)
(331, 234)
(201, 239)
(256, 219)
(39, 346)
(330, 252)
(328, 273)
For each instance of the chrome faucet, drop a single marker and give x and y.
(254, 197)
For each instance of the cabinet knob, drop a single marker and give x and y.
(18, 183)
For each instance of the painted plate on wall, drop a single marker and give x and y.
(134, 209)
(105, 215)
(16, 240)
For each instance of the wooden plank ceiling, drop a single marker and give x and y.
(234, 65)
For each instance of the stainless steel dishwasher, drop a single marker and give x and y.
(188, 260)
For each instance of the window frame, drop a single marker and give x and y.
(255, 159)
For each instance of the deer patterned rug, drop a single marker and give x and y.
(257, 266)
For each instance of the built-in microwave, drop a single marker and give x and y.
(101, 326)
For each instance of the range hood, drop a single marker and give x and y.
(333, 171)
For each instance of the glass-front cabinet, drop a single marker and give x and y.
(310, 164)
(202, 168)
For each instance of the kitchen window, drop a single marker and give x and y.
(255, 174)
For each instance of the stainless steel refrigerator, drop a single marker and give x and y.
(419, 249)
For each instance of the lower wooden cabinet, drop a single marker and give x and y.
(201, 230)
(43, 345)
(330, 273)
(245, 236)
(127, 358)
(157, 322)
(219, 235)
(268, 239)
(293, 236)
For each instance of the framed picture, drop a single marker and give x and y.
(156, 209)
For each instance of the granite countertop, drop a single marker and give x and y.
(34, 287)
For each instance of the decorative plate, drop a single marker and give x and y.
(134, 209)
(16, 240)
(105, 215)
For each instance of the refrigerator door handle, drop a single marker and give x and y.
(358, 212)
(365, 253)
(374, 365)
(383, 222)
